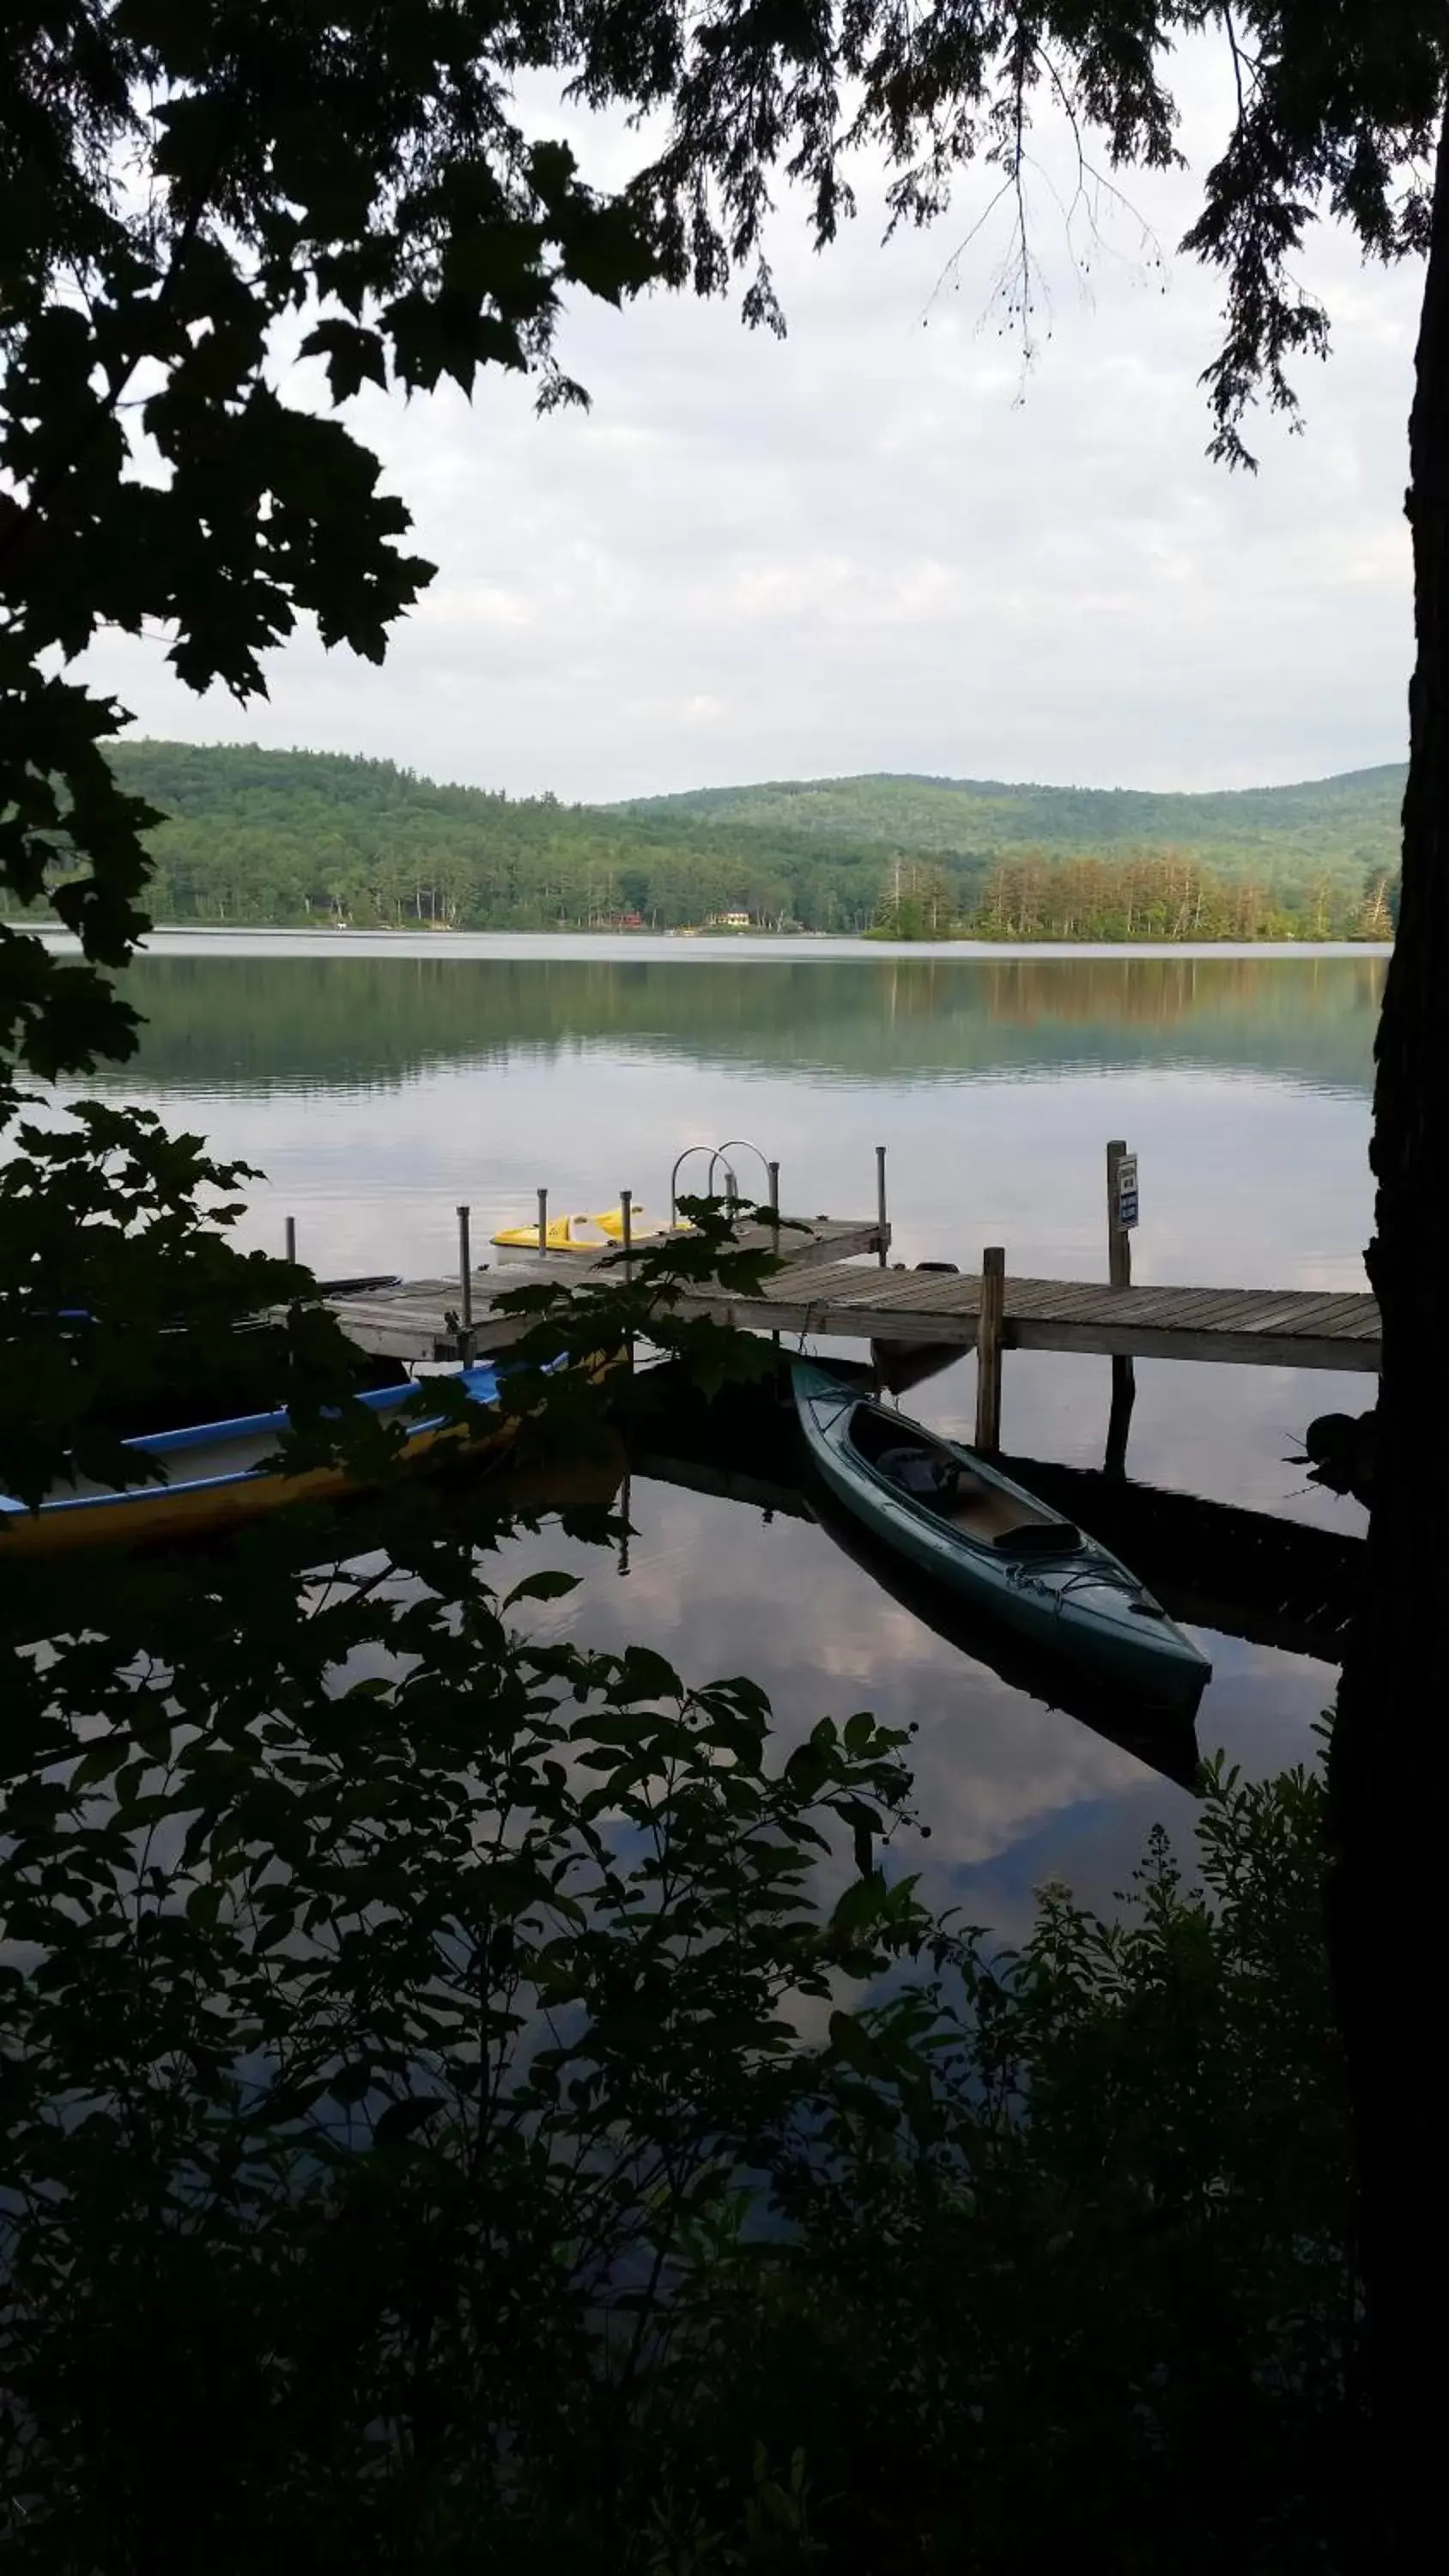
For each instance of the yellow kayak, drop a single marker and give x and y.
(587, 1234)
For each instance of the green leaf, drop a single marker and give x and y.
(404, 2118)
(643, 1674)
(547, 1585)
(860, 1906)
(100, 1762)
(851, 2043)
(354, 356)
(352, 2083)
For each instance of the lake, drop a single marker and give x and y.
(377, 1083)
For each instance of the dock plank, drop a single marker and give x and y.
(1288, 1316)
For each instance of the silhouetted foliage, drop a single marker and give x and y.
(241, 1858)
(436, 2127)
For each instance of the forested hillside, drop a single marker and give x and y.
(292, 837)
(1343, 826)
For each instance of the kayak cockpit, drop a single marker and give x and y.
(932, 1475)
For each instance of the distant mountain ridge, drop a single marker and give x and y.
(262, 836)
(1345, 824)
(1341, 779)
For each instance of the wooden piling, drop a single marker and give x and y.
(543, 1220)
(988, 1349)
(774, 1171)
(626, 1230)
(880, 1203)
(1119, 1274)
(465, 1271)
(1119, 1242)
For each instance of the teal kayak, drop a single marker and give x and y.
(952, 1513)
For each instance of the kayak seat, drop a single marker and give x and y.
(986, 1515)
(1040, 1538)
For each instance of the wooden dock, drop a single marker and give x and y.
(826, 1290)
(828, 1287)
(1267, 1327)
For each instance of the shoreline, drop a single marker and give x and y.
(759, 948)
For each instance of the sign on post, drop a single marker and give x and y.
(1127, 1193)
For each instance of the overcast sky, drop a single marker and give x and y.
(881, 545)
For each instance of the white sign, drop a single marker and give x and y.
(1127, 1193)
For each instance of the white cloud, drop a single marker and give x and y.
(484, 604)
(879, 546)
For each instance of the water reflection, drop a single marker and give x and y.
(377, 1090)
(339, 1021)
(1013, 1789)
(1162, 1739)
(1263, 1577)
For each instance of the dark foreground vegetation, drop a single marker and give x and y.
(479, 2102)
(511, 2114)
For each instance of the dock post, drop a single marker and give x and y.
(774, 1172)
(465, 1270)
(291, 1238)
(1119, 1275)
(1119, 1420)
(880, 1202)
(543, 1220)
(626, 1213)
(988, 1349)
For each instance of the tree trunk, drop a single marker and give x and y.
(1387, 1772)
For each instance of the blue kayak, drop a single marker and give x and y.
(951, 1512)
(213, 1476)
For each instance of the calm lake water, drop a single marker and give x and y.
(377, 1084)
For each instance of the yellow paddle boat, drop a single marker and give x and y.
(587, 1235)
